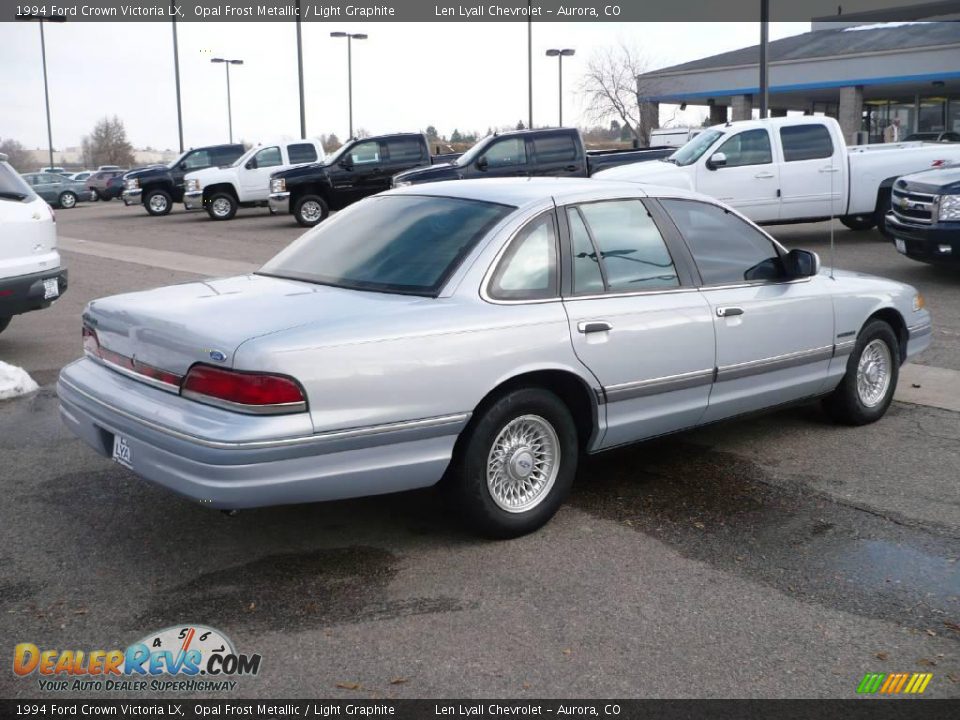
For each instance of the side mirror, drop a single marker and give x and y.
(482, 163)
(251, 164)
(717, 160)
(182, 165)
(801, 263)
(346, 163)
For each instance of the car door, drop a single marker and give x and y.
(47, 186)
(636, 318)
(505, 157)
(361, 172)
(747, 179)
(812, 176)
(775, 335)
(557, 154)
(255, 176)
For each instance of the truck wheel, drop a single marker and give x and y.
(4, 321)
(515, 463)
(884, 203)
(873, 369)
(859, 222)
(157, 202)
(103, 196)
(222, 206)
(310, 210)
(67, 200)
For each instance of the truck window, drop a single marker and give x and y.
(751, 147)
(506, 152)
(555, 148)
(302, 153)
(365, 153)
(268, 157)
(197, 159)
(405, 150)
(806, 142)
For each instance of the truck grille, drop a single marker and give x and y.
(913, 207)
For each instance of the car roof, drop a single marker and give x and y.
(524, 191)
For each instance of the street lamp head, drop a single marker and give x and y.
(235, 62)
(359, 36)
(217, 60)
(552, 52)
(338, 34)
(567, 52)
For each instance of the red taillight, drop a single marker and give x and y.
(259, 392)
(91, 345)
(90, 342)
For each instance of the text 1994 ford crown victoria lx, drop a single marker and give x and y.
(481, 332)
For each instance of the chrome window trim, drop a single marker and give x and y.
(273, 409)
(667, 383)
(756, 283)
(770, 364)
(631, 293)
(314, 438)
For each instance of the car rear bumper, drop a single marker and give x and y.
(193, 199)
(132, 197)
(280, 202)
(28, 292)
(934, 243)
(97, 404)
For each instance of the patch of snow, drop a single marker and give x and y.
(14, 382)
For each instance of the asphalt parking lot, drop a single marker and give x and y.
(777, 556)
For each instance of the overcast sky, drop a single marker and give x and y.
(406, 75)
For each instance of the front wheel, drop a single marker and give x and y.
(859, 222)
(222, 206)
(310, 210)
(157, 202)
(873, 368)
(67, 200)
(516, 463)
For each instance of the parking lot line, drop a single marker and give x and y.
(930, 386)
(167, 259)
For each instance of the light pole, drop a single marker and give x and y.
(530, 64)
(176, 71)
(303, 111)
(43, 54)
(228, 63)
(560, 55)
(350, 38)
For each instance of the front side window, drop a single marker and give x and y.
(406, 244)
(726, 249)
(631, 249)
(302, 153)
(691, 152)
(197, 160)
(806, 142)
(505, 153)
(751, 147)
(365, 153)
(587, 275)
(268, 157)
(528, 271)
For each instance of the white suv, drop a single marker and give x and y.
(246, 183)
(31, 276)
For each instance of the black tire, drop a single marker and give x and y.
(884, 203)
(845, 404)
(158, 202)
(103, 196)
(467, 479)
(67, 200)
(221, 200)
(310, 210)
(4, 321)
(859, 222)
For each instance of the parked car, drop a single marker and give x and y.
(109, 167)
(32, 276)
(58, 190)
(359, 168)
(159, 186)
(790, 170)
(98, 183)
(556, 152)
(948, 137)
(246, 182)
(114, 187)
(673, 137)
(484, 332)
(53, 170)
(82, 175)
(925, 218)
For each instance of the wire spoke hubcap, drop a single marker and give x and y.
(523, 463)
(873, 373)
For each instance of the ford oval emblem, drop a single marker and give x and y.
(217, 356)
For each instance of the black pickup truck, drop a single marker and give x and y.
(159, 186)
(361, 167)
(924, 218)
(556, 152)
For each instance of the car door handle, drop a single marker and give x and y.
(570, 168)
(829, 169)
(764, 175)
(729, 311)
(592, 326)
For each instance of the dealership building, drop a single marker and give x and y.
(863, 75)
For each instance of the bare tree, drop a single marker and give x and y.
(107, 144)
(611, 89)
(17, 155)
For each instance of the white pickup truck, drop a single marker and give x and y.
(246, 182)
(790, 170)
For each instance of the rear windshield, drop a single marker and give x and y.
(406, 244)
(12, 186)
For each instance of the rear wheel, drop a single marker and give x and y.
(157, 202)
(222, 206)
(103, 196)
(67, 200)
(310, 210)
(4, 321)
(859, 222)
(515, 464)
(873, 369)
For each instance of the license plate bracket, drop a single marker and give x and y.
(901, 245)
(51, 288)
(122, 454)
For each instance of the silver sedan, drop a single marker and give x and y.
(481, 333)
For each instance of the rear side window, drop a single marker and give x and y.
(528, 271)
(555, 148)
(632, 252)
(12, 186)
(302, 153)
(806, 142)
(587, 276)
(726, 249)
(405, 150)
